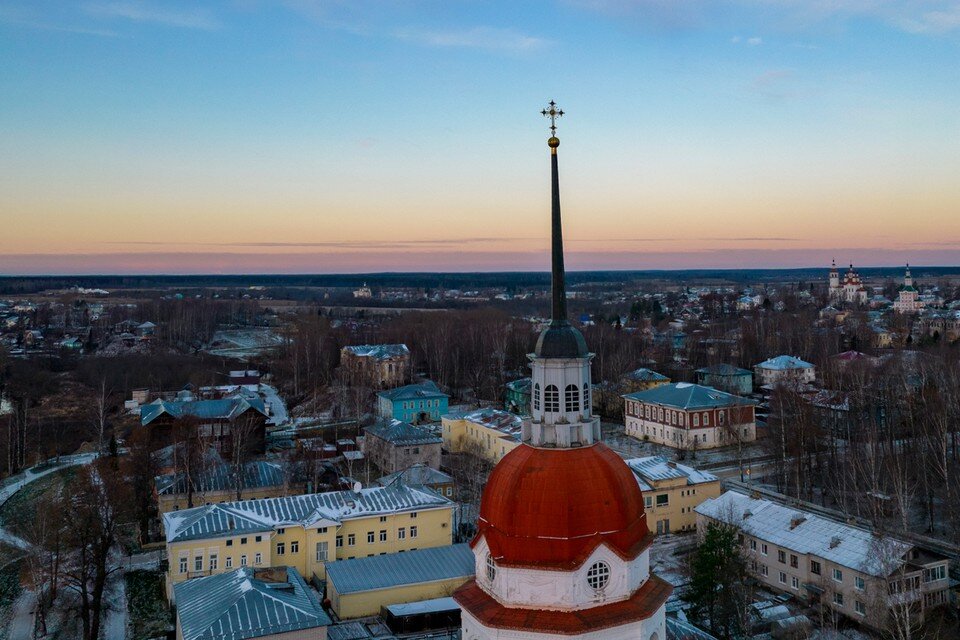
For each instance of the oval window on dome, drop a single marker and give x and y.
(491, 568)
(598, 575)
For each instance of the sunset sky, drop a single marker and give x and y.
(321, 136)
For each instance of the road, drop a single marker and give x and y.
(21, 621)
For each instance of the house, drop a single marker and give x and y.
(726, 377)
(856, 573)
(642, 379)
(305, 532)
(784, 369)
(487, 433)
(146, 329)
(671, 491)
(394, 445)
(219, 484)
(244, 378)
(250, 603)
(362, 586)
(375, 365)
(517, 396)
(689, 416)
(220, 422)
(414, 403)
(420, 475)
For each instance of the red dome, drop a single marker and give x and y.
(550, 508)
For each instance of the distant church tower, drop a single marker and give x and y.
(562, 545)
(834, 277)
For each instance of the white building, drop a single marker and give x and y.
(850, 289)
(784, 369)
(908, 298)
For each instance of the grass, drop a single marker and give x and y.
(147, 605)
(17, 512)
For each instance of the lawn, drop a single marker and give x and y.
(19, 510)
(147, 605)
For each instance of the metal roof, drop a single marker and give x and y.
(237, 605)
(256, 475)
(251, 516)
(418, 474)
(401, 433)
(509, 424)
(417, 391)
(684, 395)
(644, 374)
(725, 370)
(224, 408)
(521, 385)
(807, 533)
(398, 569)
(783, 363)
(378, 351)
(655, 468)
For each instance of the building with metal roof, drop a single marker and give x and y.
(488, 433)
(844, 567)
(394, 445)
(249, 603)
(783, 369)
(413, 403)
(375, 365)
(361, 587)
(642, 379)
(220, 421)
(671, 491)
(726, 377)
(424, 476)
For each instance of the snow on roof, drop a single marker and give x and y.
(655, 468)
(252, 516)
(239, 604)
(256, 475)
(507, 423)
(434, 605)
(427, 389)
(806, 533)
(725, 370)
(378, 351)
(224, 408)
(685, 395)
(399, 569)
(782, 363)
(417, 474)
(400, 433)
(643, 374)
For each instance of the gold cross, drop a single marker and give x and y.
(553, 113)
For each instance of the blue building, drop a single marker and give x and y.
(727, 377)
(413, 403)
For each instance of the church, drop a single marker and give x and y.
(562, 547)
(908, 297)
(850, 289)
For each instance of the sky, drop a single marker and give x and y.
(339, 136)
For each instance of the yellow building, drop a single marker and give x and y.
(487, 433)
(305, 532)
(360, 587)
(671, 491)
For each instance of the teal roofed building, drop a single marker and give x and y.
(219, 421)
(784, 369)
(413, 403)
(517, 396)
(726, 377)
(642, 379)
(249, 603)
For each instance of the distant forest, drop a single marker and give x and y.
(12, 285)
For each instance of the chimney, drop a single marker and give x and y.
(273, 575)
(797, 520)
(834, 542)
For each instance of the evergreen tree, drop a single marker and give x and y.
(718, 593)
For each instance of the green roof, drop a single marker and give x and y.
(684, 395)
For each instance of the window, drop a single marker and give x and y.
(183, 564)
(491, 568)
(258, 539)
(401, 533)
(764, 571)
(571, 398)
(838, 599)
(383, 535)
(551, 399)
(763, 548)
(295, 546)
(243, 541)
(781, 556)
(794, 561)
(383, 518)
(229, 563)
(815, 567)
(281, 531)
(322, 530)
(413, 532)
(794, 582)
(257, 558)
(753, 545)
(213, 562)
(859, 607)
(663, 499)
(281, 548)
(783, 578)
(536, 397)
(696, 419)
(838, 575)
(370, 537)
(413, 514)
(339, 541)
(586, 396)
(229, 542)
(706, 419)
(648, 502)
(243, 560)
(598, 575)
(859, 583)
(322, 551)
(351, 539)
(198, 563)
(935, 573)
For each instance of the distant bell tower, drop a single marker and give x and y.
(834, 276)
(907, 278)
(561, 414)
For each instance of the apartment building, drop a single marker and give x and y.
(305, 532)
(671, 491)
(486, 433)
(854, 573)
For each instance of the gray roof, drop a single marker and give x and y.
(397, 569)
(725, 370)
(256, 475)
(237, 605)
(520, 386)
(378, 351)
(254, 516)
(417, 391)
(418, 474)
(654, 468)
(400, 433)
(509, 424)
(807, 533)
(643, 374)
(783, 363)
(222, 409)
(684, 395)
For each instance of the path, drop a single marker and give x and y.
(115, 626)
(21, 619)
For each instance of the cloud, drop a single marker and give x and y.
(755, 41)
(140, 11)
(489, 38)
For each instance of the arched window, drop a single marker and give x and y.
(586, 396)
(491, 568)
(536, 397)
(551, 399)
(571, 398)
(598, 575)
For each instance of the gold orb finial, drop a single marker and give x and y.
(553, 142)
